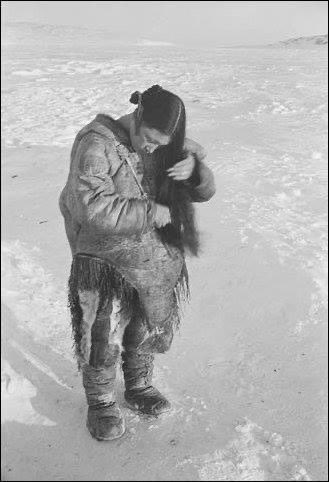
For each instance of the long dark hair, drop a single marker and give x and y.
(164, 111)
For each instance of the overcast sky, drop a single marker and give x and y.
(203, 22)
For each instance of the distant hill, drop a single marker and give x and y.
(303, 42)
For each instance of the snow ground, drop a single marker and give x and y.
(247, 373)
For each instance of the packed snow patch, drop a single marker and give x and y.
(16, 394)
(255, 454)
(31, 294)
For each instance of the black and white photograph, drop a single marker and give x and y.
(164, 247)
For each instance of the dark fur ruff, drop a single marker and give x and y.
(89, 273)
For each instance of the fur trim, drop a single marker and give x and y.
(182, 294)
(89, 273)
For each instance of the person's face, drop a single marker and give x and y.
(145, 139)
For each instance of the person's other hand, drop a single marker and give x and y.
(162, 216)
(182, 170)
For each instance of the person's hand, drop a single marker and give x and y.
(162, 216)
(182, 170)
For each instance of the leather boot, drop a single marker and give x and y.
(105, 420)
(140, 394)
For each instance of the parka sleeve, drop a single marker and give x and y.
(201, 184)
(99, 204)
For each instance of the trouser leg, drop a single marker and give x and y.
(158, 339)
(98, 354)
(138, 358)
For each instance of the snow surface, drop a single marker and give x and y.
(247, 372)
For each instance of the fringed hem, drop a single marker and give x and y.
(181, 294)
(89, 273)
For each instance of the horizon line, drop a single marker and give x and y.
(168, 43)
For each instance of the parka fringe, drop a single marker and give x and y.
(89, 273)
(181, 294)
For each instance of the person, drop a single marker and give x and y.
(129, 219)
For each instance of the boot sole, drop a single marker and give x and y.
(135, 409)
(105, 439)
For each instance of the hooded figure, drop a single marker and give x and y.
(129, 219)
